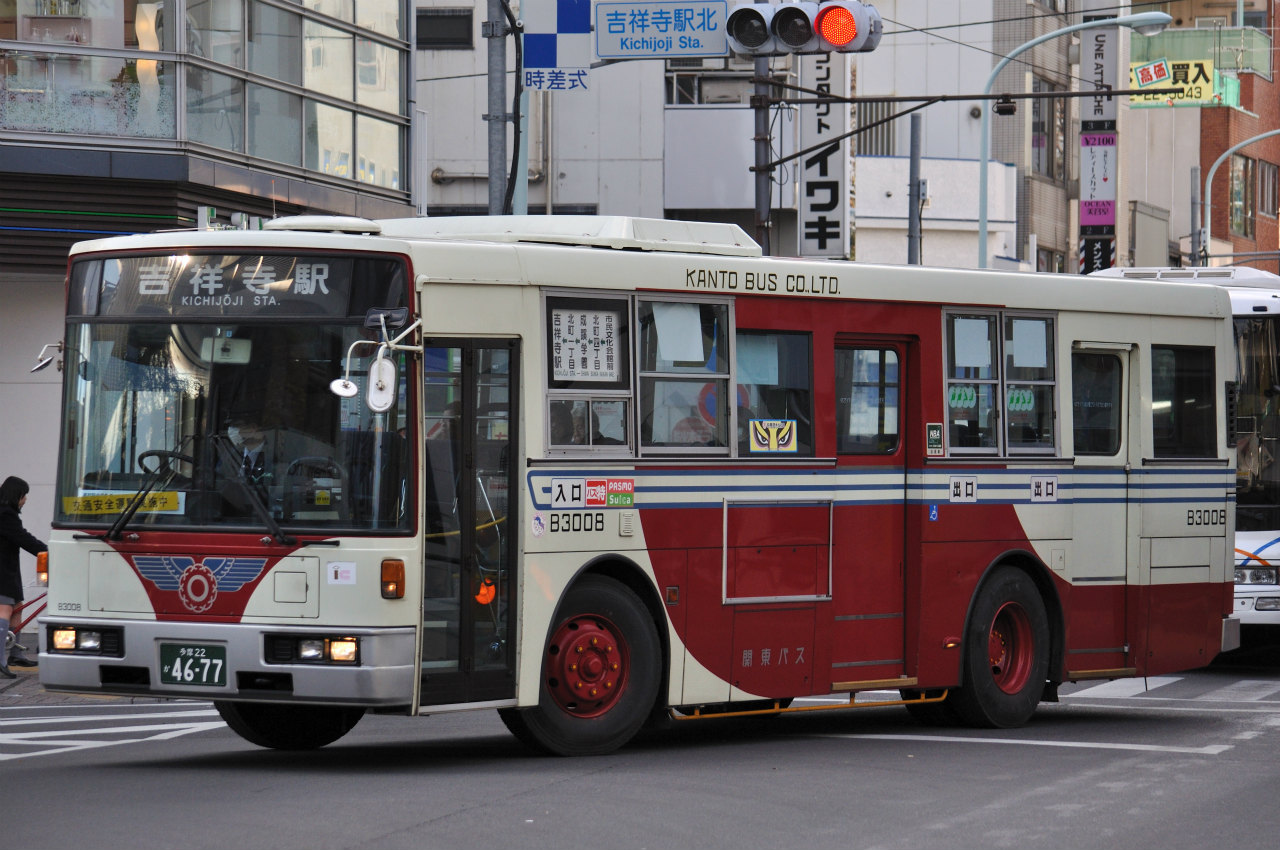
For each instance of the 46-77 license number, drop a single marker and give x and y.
(193, 664)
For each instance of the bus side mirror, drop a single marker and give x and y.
(382, 384)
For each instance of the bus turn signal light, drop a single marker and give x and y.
(393, 578)
(42, 569)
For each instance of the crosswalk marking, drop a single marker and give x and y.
(1208, 750)
(1124, 688)
(1247, 690)
(98, 731)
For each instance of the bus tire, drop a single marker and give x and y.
(601, 673)
(1006, 653)
(286, 726)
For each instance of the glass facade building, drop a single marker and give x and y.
(315, 88)
(131, 116)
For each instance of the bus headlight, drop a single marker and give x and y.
(1250, 575)
(310, 649)
(343, 651)
(107, 642)
(1267, 603)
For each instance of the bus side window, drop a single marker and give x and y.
(774, 376)
(1183, 411)
(683, 354)
(867, 401)
(1095, 403)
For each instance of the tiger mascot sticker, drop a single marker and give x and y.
(773, 435)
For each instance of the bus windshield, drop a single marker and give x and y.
(225, 421)
(1258, 418)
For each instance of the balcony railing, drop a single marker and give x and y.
(77, 94)
(1240, 49)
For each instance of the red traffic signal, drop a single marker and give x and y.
(837, 26)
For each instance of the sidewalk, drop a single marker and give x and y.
(26, 691)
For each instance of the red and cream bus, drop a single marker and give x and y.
(1255, 301)
(595, 473)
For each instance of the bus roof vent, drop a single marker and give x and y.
(324, 224)
(619, 232)
(1238, 275)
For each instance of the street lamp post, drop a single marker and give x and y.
(1147, 23)
(1206, 206)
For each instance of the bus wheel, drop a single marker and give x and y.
(287, 726)
(601, 671)
(1006, 653)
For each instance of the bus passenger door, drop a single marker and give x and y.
(469, 585)
(868, 594)
(1104, 533)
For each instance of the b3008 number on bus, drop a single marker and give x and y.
(576, 521)
(1208, 517)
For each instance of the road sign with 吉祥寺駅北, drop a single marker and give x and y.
(659, 30)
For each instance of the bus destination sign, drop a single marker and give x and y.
(221, 285)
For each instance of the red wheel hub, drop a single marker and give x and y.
(586, 666)
(1010, 648)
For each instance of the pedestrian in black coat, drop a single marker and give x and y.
(13, 537)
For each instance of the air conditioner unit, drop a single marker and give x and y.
(777, 64)
(726, 90)
(688, 64)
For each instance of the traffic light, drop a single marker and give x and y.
(838, 26)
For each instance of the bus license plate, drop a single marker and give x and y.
(193, 664)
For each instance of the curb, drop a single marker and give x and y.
(26, 691)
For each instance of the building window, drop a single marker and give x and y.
(1048, 132)
(873, 138)
(1268, 174)
(445, 29)
(1050, 261)
(1243, 201)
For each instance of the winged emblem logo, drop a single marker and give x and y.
(198, 582)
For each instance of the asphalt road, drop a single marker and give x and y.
(1183, 761)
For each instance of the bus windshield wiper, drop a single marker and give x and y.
(228, 457)
(163, 466)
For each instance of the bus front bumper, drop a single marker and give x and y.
(229, 661)
(1258, 604)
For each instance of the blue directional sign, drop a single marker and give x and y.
(661, 29)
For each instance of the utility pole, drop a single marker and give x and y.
(1195, 216)
(495, 30)
(913, 195)
(764, 172)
